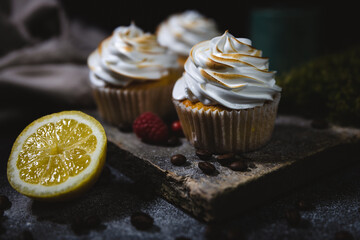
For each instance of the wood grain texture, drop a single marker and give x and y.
(296, 154)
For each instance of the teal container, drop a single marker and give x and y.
(288, 36)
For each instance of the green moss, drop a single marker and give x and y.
(327, 87)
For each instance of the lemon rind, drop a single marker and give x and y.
(71, 185)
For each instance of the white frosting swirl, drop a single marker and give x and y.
(180, 32)
(129, 55)
(227, 71)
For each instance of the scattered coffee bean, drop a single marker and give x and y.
(304, 205)
(4, 203)
(178, 159)
(225, 159)
(319, 123)
(173, 141)
(344, 235)
(203, 154)
(293, 217)
(142, 221)
(251, 165)
(26, 235)
(225, 156)
(207, 167)
(238, 166)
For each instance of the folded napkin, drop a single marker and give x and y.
(43, 55)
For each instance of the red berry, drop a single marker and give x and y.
(150, 128)
(177, 128)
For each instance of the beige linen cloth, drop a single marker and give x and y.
(43, 55)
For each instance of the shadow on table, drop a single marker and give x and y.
(113, 197)
(328, 199)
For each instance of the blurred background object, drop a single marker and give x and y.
(325, 87)
(287, 35)
(42, 60)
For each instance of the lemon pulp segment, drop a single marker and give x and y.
(55, 152)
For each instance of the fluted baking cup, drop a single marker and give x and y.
(122, 105)
(228, 131)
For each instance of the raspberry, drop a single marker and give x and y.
(150, 128)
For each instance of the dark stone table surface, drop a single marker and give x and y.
(114, 198)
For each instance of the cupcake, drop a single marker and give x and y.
(130, 73)
(227, 98)
(180, 32)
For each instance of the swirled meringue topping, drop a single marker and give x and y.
(180, 32)
(129, 55)
(227, 71)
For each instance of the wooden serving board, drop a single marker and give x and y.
(296, 154)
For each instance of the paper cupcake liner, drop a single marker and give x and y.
(233, 131)
(120, 106)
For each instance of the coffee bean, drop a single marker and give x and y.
(225, 156)
(203, 154)
(207, 167)
(251, 165)
(293, 217)
(304, 205)
(142, 221)
(225, 159)
(343, 235)
(319, 123)
(178, 159)
(238, 166)
(4, 203)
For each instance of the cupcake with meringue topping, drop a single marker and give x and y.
(180, 32)
(130, 73)
(227, 98)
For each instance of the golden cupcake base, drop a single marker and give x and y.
(122, 105)
(221, 130)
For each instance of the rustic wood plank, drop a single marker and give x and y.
(296, 154)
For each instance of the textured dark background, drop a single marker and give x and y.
(336, 26)
(114, 198)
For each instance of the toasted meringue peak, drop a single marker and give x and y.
(128, 55)
(227, 71)
(183, 30)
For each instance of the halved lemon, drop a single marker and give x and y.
(57, 156)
